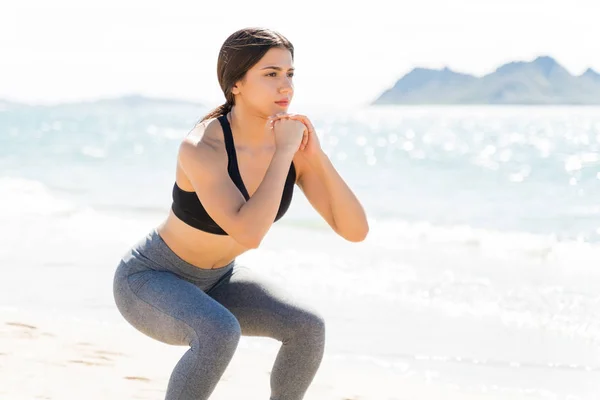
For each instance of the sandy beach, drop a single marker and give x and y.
(45, 357)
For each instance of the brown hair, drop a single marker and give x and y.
(240, 52)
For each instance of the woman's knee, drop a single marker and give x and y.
(229, 330)
(316, 323)
(223, 331)
(309, 323)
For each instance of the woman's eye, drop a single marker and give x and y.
(291, 74)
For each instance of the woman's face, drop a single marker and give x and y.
(268, 86)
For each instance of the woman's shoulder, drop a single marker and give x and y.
(205, 136)
(203, 142)
(201, 159)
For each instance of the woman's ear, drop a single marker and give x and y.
(235, 89)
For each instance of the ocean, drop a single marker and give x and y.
(480, 271)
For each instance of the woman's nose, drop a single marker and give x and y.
(286, 87)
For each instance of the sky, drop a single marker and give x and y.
(69, 50)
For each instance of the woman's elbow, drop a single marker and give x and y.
(357, 235)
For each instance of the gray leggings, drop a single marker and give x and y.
(177, 303)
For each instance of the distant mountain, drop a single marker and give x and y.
(591, 74)
(541, 81)
(133, 100)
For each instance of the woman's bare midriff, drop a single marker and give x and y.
(201, 249)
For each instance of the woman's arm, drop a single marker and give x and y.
(332, 198)
(326, 190)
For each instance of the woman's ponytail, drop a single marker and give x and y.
(223, 109)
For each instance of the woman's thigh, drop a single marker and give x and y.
(263, 308)
(171, 309)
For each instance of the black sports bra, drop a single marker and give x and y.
(187, 207)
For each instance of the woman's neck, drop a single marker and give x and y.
(249, 128)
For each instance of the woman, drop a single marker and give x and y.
(181, 283)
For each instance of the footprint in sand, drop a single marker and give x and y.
(98, 353)
(91, 356)
(108, 356)
(26, 332)
(137, 378)
(94, 360)
(88, 363)
(21, 325)
(103, 358)
(109, 353)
